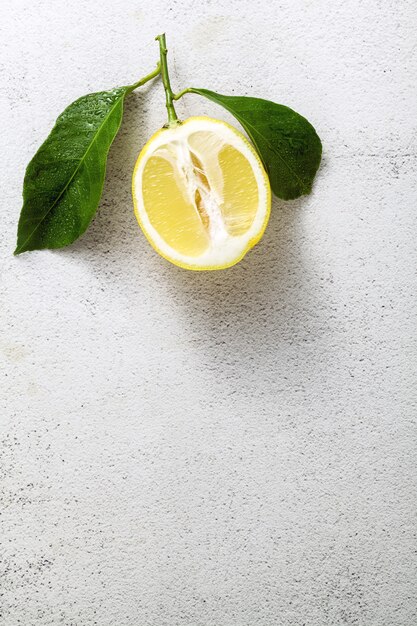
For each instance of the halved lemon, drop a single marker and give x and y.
(201, 194)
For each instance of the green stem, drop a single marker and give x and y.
(146, 78)
(170, 97)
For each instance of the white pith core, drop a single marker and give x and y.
(185, 160)
(173, 145)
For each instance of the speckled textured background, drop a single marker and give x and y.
(216, 449)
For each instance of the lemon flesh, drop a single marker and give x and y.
(201, 194)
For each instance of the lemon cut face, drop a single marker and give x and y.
(201, 194)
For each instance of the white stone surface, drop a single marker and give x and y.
(215, 449)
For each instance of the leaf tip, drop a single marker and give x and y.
(20, 247)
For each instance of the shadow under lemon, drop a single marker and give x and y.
(268, 293)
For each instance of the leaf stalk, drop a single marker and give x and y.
(182, 93)
(146, 78)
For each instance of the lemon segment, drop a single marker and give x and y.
(182, 228)
(240, 191)
(201, 194)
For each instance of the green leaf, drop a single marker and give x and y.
(287, 143)
(64, 180)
